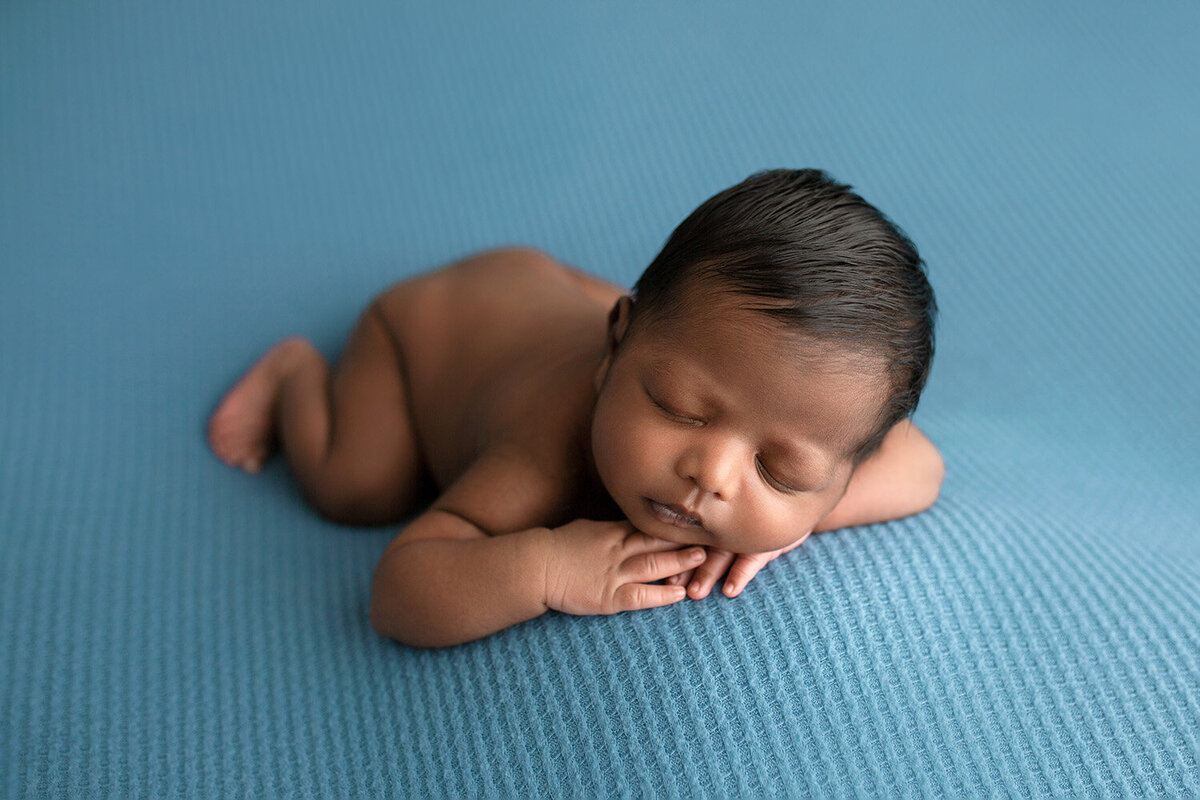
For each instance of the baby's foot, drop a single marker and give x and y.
(241, 432)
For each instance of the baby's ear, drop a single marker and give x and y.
(618, 321)
(618, 325)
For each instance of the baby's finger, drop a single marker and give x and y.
(657, 566)
(709, 573)
(638, 542)
(681, 579)
(742, 572)
(636, 596)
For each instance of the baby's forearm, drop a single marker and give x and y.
(443, 591)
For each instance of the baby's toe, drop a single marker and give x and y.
(234, 441)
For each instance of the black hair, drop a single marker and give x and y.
(828, 265)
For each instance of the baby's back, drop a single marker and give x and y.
(499, 351)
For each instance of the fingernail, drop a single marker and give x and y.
(730, 590)
(695, 555)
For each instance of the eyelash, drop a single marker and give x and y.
(772, 480)
(678, 417)
(767, 477)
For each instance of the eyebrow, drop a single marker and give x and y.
(659, 367)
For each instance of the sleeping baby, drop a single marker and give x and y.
(555, 442)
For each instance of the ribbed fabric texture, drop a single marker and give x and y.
(182, 184)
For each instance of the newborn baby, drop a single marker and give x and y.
(555, 442)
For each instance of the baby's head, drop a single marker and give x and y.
(783, 330)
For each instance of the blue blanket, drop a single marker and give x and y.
(182, 184)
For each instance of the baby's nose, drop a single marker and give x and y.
(712, 470)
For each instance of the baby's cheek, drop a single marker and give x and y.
(622, 454)
(779, 526)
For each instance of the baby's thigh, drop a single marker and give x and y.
(374, 461)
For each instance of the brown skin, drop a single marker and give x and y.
(509, 389)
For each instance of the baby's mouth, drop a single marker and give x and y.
(672, 515)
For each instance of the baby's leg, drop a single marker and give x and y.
(348, 438)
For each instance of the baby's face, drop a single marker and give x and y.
(719, 428)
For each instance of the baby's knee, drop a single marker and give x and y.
(348, 502)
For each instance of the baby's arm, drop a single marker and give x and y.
(446, 579)
(901, 478)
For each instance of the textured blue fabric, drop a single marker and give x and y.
(181, 184)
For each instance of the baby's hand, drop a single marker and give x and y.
(606, 567)
(700, 581)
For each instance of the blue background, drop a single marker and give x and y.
(182, 184)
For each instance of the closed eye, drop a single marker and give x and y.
(771, 480)
(677, 417)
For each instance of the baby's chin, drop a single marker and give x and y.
(683, 537)
(635, 511)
